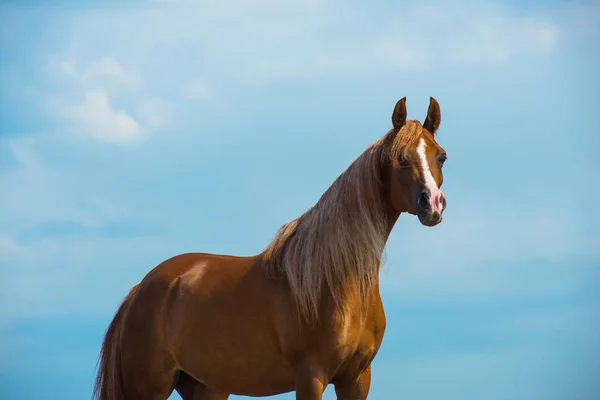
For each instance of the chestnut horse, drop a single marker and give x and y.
(304, 313)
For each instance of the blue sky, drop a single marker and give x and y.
(132, 131)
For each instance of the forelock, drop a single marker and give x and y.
(407, 137)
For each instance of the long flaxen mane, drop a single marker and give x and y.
(343, 235)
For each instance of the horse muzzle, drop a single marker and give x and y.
(430, 207)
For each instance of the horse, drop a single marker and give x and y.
(304, 313)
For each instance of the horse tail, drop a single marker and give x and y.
(108, 384)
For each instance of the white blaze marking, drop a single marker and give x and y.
(430, 184)
(429, 181)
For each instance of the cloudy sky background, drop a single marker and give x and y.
(131, 131)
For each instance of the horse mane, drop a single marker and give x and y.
(344, 234)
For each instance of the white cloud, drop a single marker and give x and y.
(496, 41)
(268, 41)
(67, 68)
(154, 113)
(398, 54)
(97, 118)
(482, 34)
(22, 150)
(7, 247)
(61, 66)
(195, 89)
(110, 68)
(102, 80)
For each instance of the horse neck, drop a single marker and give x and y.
(391, 214)
(338, 243)
(380, 213)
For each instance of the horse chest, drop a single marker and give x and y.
(358, 339)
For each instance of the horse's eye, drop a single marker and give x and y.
(442, 158)
(403, 163)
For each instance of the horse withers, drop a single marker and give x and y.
(304, 313)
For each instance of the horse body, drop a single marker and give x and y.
(216, 300)
(304, 313)
(207, 301)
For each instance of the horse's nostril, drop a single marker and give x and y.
(423, 201)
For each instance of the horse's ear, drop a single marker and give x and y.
(433, 116)
(399, 115)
